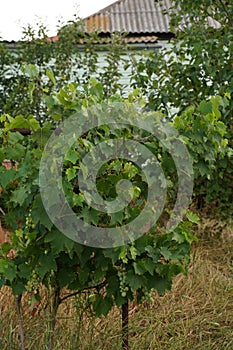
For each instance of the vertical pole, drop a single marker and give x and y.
(21, 330)
(55, 305)
(125, 325)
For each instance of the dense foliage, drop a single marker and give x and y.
(196, 65)
(44, 255)
(40, 89)
(28, 67)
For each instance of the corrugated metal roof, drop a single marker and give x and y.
(131, 16)
(128, 39)
(141, 39)
(134, 17)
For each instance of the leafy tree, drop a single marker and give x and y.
(197, 64)
(29, 68)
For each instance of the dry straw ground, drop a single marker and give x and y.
(196, 314)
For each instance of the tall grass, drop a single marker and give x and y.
(196, 314)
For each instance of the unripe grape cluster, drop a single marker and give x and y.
(147, 295)
(123, 286)
(29, 223)
(33, 284)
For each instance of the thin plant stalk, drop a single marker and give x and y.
(20, 320)
(55, 305)
(125, 325)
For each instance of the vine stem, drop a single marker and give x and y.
(20, 320)
(125, 325)
(55, 305)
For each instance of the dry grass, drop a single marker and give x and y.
(197, 314)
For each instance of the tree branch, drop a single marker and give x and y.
(98, 286)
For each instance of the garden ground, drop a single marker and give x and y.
(196, 314)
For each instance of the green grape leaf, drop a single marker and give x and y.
(102, 305)
(6, 176)
(59, 242)
(71, 173)
(65, 276)
(72, 156)
(39, 214)
(20, 195)
(159, 284)
(166, 253)
(46, 263)
(18, 287)
(134, 281)
(139, 268)
(193, 217)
